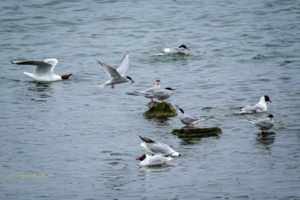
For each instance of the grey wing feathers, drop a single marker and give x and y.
(42, 67)
(111, 72)
(124, 64)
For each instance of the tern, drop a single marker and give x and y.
(152, 89)
(158, 148)
(117, 75)
(261, 106)
(43, 70)
(188, 120)
(147, 160)
(161, 94)
(264, 124)
(179, 50)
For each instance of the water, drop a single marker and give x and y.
(73, 140)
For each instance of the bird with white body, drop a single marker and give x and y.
(158, 148)
(161, 94)
(264, 124)
(261, 106)
(117, 75)
(148, 160)
(179, 50)
(188, 120)
(43, 71)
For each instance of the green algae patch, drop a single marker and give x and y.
(190, 132)
(160, 110)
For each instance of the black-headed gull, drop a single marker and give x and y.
(157, 148)
(117, 75)
(189, 120)
(43, 70)
(264, 124)
(179, 50)
(161, 94)
(147, 160)
(261, 106)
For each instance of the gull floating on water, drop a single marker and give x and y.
(261, 106)
(161, 94)
(43, 70)
(147, 160)
(117, 75)
(158, 148)
(179, 50)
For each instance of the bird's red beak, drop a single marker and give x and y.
(173, 89)
(270, 101)
(132, 81)
(137, 159)
(187, 48)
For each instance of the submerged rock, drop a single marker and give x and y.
(160, 110)
(196, 132)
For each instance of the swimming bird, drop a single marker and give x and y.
(189, 120)
(261, 106)
(179, 50)
(158, 148)
(161, 94)
(147, 160)
(43, 70)
(264, 124)
(117, 76)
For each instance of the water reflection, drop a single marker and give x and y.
(161, 121)
(265, 139)
(40, 91)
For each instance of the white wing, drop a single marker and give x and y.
(42, 68)
(124, 64)
(111, 72)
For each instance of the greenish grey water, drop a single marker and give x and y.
(74, 140)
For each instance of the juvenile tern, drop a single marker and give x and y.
(261, 106)
(161, 94)
(117, 75)
(43, 70)
(157, 148)
(147, 160)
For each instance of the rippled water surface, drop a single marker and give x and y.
(73, 140)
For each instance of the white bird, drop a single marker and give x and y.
(157, 148)
(152, 89)
(264, 124)
(179, 50)
(117, 76)
(189, 120)
(261, 106)
(147, 160)
(161, 94)
(43, 70)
